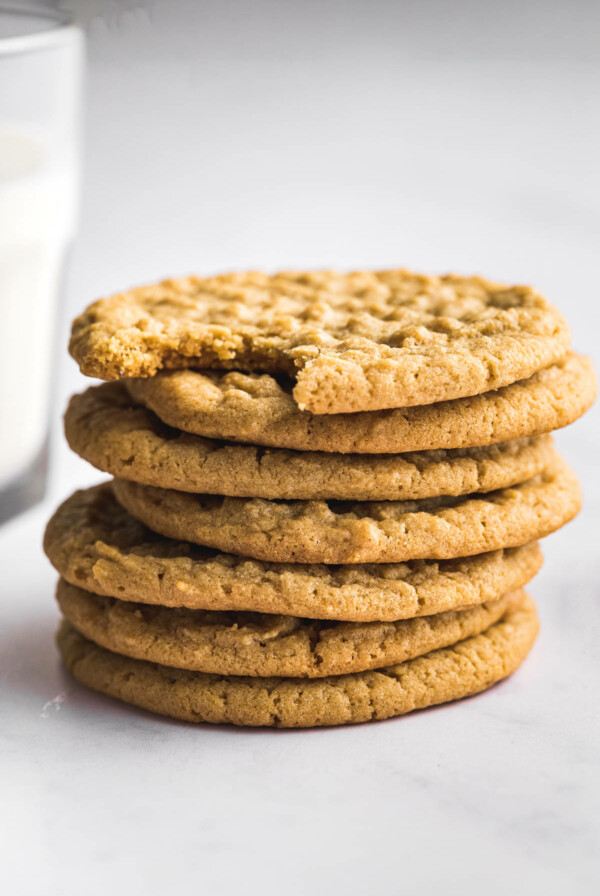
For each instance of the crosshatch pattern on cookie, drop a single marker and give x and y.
(352, 342)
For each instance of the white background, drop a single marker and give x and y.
(436, 135)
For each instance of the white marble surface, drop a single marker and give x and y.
(224, 135)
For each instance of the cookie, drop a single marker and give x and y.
(265, 645)
(352, 342)
(361, 532)
(259, 409)
(104, 426)
(95, 544)
(449, 673)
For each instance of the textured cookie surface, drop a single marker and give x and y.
(96, 545)
(265, 645)
(352, 342)
(361, 532)
(259, 409)
(446, 674)
(105, 427)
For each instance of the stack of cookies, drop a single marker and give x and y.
(327, 495)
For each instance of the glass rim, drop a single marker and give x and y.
(57, 25)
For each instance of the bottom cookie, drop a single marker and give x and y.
(446, 674)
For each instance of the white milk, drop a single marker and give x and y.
(37, 222)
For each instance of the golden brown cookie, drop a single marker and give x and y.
(259, 409)
(97, 545)
(352, 342)
(361, 532)
(260, 644)
(449, 673)
(106, 428)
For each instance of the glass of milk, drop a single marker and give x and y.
(40, 97)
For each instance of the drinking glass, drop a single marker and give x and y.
(41, 58)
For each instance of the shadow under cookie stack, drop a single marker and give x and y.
(327, 495)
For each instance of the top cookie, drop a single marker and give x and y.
(352, 342)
